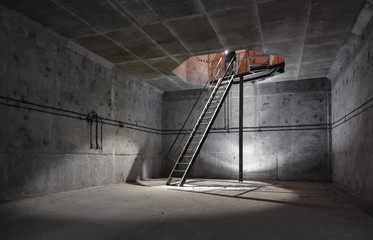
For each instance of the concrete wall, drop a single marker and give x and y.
(43, 153)
(286, 133)
(352, 114)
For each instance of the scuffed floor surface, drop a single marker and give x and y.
(209, 209)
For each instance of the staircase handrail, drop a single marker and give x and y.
(195, 104)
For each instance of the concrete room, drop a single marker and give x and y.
(90, 107)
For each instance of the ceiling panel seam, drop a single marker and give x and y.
(141, 30)
(212, 25)
(260, 27)
(166, 25)
(304, 37)
(130, 17)
(103, 35)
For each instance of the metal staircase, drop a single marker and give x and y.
(189, 141)
(187, 144)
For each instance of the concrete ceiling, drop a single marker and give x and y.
(149, 38)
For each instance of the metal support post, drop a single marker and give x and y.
(240, 157)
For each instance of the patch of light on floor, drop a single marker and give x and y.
(219, 185)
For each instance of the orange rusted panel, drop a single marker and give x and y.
(213, 65)
(241, 58)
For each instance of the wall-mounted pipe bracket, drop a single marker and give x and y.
(96, 130)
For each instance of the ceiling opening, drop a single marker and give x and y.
(197, 69)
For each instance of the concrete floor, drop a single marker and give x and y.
(201, 210)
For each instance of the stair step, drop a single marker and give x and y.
(221, 90)
(221, 93)
(179, 170)
(181, 163)
(197, 139)
(179, 176)
(211, 110)
(174, 178)
(225, 82)
(203, 126)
